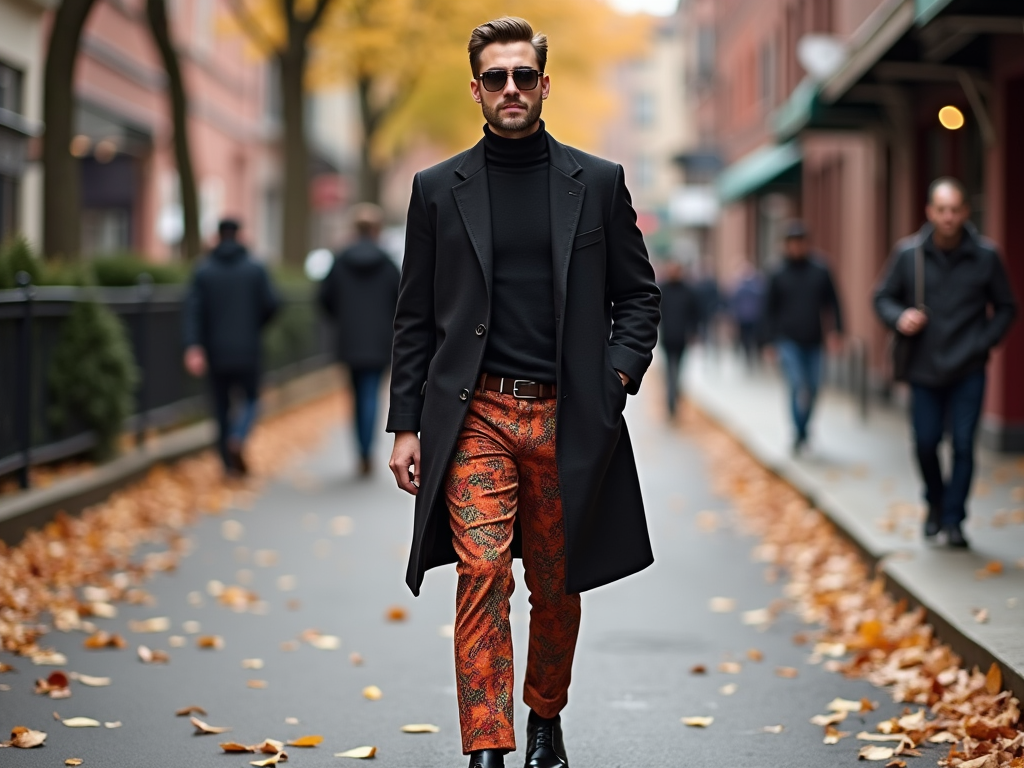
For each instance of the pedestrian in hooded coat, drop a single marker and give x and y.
(359, 295)
(800, 293)
(230, 300)
(680, 319)
(966, 308)
(526, 315)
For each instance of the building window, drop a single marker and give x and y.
(106, 231)
(202, 26)
(10, 88)
(643, 110)
(8, 206)
(705, 55)
(768, 73)
(644, 172)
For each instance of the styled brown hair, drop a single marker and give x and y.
(507, 29)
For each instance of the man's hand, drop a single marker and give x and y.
(622, 377)
(406, 454)
(834, 342)
(195, 361)
(911, 322)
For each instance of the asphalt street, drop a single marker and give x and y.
(332, 559)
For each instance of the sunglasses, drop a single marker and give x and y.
(494, 80)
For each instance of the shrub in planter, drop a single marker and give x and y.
(123, 269)
(15, 256)
(93, 374)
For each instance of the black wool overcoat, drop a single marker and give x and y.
(606, 314)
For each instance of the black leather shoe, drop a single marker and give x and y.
(933, 524)
(955, 538)
(487, 758)
(544, 745)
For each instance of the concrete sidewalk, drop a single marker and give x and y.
(862, 474)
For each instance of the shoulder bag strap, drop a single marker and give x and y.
(919, 276)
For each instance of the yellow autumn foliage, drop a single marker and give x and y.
(410, 58)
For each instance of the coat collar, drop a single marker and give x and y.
(474, 160)
(472, 196)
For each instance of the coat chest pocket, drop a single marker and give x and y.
(591, 237)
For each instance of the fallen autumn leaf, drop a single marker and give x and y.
(697, 722)
(306, 741)
(25, 738)
(359, 753)
(420, 728)
(202, 727)
(872, 752)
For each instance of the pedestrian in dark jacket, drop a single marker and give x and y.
(680, 318)
(747, 306)
(229, 301)
(359, 294)
(800, 292)
(527, 313)
(968, 307)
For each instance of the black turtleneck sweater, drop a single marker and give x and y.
(521, 337)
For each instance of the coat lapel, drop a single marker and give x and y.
(565, 196)
(474, 201)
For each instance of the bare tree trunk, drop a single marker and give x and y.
(62, 225)
(369, 174)
(295, 227)
(291, 62)
(156, 10)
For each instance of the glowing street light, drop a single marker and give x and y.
(951, 118)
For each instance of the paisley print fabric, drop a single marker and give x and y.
(504, 469)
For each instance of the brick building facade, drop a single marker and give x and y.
(852, 148)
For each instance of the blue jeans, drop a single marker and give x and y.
(673, 367)
(934, 410)
(223, 384)
(801, 363)
(366, 387)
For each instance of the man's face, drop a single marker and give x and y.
(796, 247)
(510, 112)
(947, 211)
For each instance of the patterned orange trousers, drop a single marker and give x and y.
(504, 469)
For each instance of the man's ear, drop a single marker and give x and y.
(474, 88)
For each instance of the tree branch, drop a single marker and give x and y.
(318, 13)
(252, 27)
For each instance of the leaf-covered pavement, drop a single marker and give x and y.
(288, 617)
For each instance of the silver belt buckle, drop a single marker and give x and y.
(515, 389)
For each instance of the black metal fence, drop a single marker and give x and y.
(30, 325)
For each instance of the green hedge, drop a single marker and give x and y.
(115, 270)
(92, 375)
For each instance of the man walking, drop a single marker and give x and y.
(746, 305)
(359, 295)
(527, 312)
(800, 291)
(680, 317)
(946, 292)
(229, 301)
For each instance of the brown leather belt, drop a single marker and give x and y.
(524, 389)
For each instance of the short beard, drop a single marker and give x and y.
(512, 124)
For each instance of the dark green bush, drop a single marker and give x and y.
(15, 256)
(93, 375)
(291, 335)
(123, 269)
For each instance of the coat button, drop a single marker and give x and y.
(481, 329)
(464, 395)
